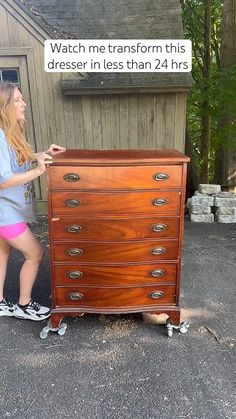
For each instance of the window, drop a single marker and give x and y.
(11, 75)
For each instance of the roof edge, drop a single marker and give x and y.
(40, 28)
(16, 9)
(71, 90)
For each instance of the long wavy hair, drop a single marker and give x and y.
(13, 129)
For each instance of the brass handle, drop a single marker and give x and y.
(71, 177)
(74, 252)
(159, 227)
(157, 273)
(158, 251)
(156, 294)
(72, 203)
(73, 228)
(75, 274)
(159, 201)
(76, 296)
(160, 176)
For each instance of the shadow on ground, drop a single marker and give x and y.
(126, 366)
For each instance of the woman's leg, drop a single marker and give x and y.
(5, 251)
(27, 244)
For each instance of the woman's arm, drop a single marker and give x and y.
(53, 149)
(20, 178)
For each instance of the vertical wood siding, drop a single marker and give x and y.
(152, 121)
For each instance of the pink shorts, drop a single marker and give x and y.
(12, 231)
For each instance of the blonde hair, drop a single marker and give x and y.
(13, 129)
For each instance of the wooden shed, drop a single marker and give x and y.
(96, 110)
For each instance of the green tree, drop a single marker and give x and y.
(201, 21)
(225, 163)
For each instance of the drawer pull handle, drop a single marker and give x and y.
(159, 227)
(156, 294)
(159, 201)
(157, 273)
(75, 274)
(71, 177)
(72, 203)
(73, 228)
(160, 176)
(158, 251)
(74, 296)
(74, 252)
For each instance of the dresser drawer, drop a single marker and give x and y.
(157, 202)
(113, 252)
(115, 177)
(114, 229)
(102, 297)
(82, 274)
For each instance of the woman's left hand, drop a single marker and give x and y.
(54, 148)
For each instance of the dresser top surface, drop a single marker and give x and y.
(77, 156)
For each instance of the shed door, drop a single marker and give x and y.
(14, 69)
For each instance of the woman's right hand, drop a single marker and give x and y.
(42, 160)
(21, 178)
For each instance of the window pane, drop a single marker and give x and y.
(10, 75)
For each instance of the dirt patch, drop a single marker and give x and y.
(118, 327)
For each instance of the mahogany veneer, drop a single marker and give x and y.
(115, 226)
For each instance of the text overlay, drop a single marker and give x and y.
(118, 55)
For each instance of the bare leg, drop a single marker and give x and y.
(5, 251)
(27, 244)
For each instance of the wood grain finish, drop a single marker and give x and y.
(102, 297)
(71, 228)
(110, 275)
(116, 231)
(80, 202)
(114, 157)
(143, 177)
(116, 252)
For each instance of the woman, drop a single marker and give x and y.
(17, 202)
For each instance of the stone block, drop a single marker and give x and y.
(200, 209)
(188, 203)
(225, 202)
(204, 200)
(224, 194)
(202, 218)
(209, 189)
(226, 218)
(225, 211)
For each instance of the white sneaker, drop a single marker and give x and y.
(33, 311)
(6, 308)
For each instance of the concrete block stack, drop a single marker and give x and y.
(210, 204)
(199, 206)
(225, 207)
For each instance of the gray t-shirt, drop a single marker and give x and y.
(17, 204)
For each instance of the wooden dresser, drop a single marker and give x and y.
(116, 226)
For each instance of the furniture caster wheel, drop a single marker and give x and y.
(170, 328)
(44, 333)
(184, 327)
(62, 330)
(169, 332)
